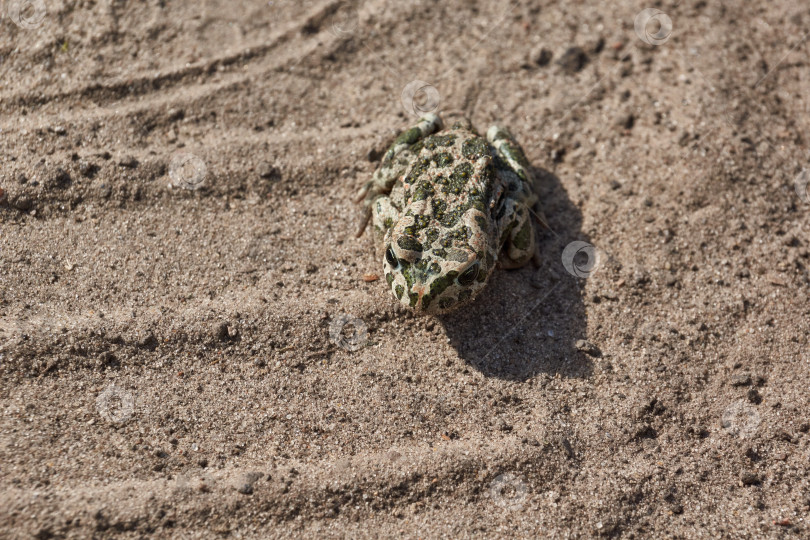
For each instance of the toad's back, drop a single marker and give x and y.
(454, 201)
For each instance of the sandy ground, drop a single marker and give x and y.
(177, 263)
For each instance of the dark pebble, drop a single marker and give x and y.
(752, 454)
(541, 57)
(783, 435)
(754, 397)
(741, 380)
(87, 169)
(569, 450)
(175, 114)
(128, 161)
(149, 342)
(244, 482)
(573, 60)
(626, 121)
(749, 479)
(266, 170)
(107, 359)
(104, 190)
(22, 203)
(646, 432)
(596, 46)
(588, 348)
(640, 277)
(374, 154)
(21, 178)
(58, 178)
(225, 332)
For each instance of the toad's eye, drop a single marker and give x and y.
(391, 257)
(469, 275)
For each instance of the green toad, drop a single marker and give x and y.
(445, 206)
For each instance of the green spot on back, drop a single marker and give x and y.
(458, 178)
(462, 234)
(443, 159)
(431, 235)
(438, 207)
(474, 148)
(435, 141)
(410, 243)
(419, 222)
(421, 165)
(423, 190)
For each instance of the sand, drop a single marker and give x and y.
(192, 342)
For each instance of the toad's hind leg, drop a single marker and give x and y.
(521, 204)
(510, 152)
(394, 163)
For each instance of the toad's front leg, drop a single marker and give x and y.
(383, 217)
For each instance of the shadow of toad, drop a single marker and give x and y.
(528, 320)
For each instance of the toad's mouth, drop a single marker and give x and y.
(420, 291)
